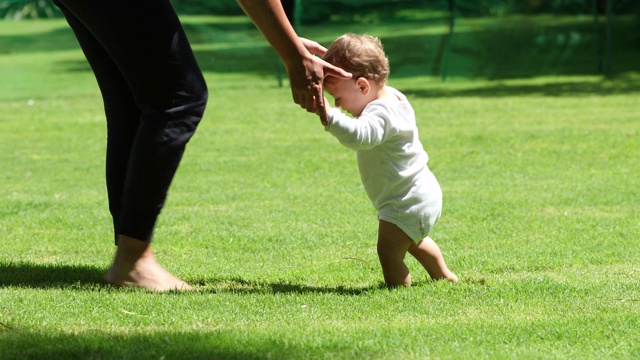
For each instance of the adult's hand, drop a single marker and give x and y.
(306, 79)
(306, 71)
(313, 47)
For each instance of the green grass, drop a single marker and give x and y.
(268, 219)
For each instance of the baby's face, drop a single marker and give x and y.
(347, 93)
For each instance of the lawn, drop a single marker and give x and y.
(538, 162)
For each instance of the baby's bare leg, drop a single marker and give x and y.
(429, 255)
(393, 244)
(135, 265)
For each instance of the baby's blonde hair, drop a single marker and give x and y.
(361, 55)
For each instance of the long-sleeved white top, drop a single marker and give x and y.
(391, 159)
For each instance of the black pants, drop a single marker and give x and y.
(154, 97)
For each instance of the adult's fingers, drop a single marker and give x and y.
(310, 98)
(313, 47)
(331, 70)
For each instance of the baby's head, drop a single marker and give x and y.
(361, 55)
(364, 57)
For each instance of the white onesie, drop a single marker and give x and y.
(392, 163)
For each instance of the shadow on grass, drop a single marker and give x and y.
(615, 86)
(54, 275)
(243, 286)
(211, 343)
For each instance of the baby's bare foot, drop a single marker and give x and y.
(452, 277)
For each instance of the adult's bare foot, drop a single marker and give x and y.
(135, 265)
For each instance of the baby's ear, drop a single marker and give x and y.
(364, 85)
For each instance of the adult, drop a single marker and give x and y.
(154, 96)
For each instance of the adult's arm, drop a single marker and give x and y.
(306, 71)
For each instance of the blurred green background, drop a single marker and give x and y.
(484, 39)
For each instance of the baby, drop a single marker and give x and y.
(391, 159)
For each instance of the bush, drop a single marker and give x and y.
(28, 9)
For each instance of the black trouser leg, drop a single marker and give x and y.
(154, 97)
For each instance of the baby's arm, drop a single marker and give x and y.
(323, 113)
(370, 129)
